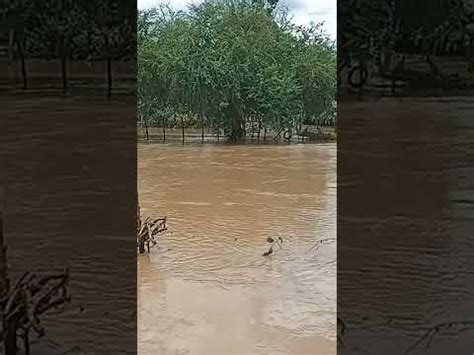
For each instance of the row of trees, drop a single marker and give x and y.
(225, 63)
(70, 30)
(369, 27)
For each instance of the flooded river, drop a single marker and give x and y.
(405, 221)
(68, 189)
(206, 289)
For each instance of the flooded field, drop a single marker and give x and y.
(206, 289)
(68, 189)
(405, 216)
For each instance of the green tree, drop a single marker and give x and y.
(229, 63)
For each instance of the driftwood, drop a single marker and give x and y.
(147, 232)
(26, 301)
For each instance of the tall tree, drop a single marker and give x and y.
(229, 63)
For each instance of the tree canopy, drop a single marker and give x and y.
(82, 28)
(70, 30)
(227, 62)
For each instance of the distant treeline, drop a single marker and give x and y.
(429, 27)
(69, 30)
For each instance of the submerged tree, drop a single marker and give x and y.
(228, 63)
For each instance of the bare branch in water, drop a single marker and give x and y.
(434, 330)
(147, 232)
(273, 242)
(31, 297)
(341, 331)
(268, 252)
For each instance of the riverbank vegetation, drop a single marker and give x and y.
(231, 65)
(382, 45)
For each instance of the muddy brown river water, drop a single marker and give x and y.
(206, 289)
(407, 203)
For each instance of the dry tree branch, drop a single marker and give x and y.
(431, 332)
(29, 299)
(147, 232)
(341, 332)
(273, 242)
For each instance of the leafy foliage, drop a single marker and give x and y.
(70, 30)
(367, 28)
(449, 36)
(228, 62)
(79, 27)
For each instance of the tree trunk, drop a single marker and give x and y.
(109, 75)
(26, 342)
(10, 337)
(146, 129)
(201, 118)
(470, 56)
(11, 41)
(21, 53)
(141, 247)
(164, 129)
(182, 128)
(64, 71)
(61, 49)
(265, 134)
(236, 120)
(23, 72)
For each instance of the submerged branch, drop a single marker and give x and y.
(341, 331)
(27, 300)
(148, 231)
(273, 242)
(434, 330)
